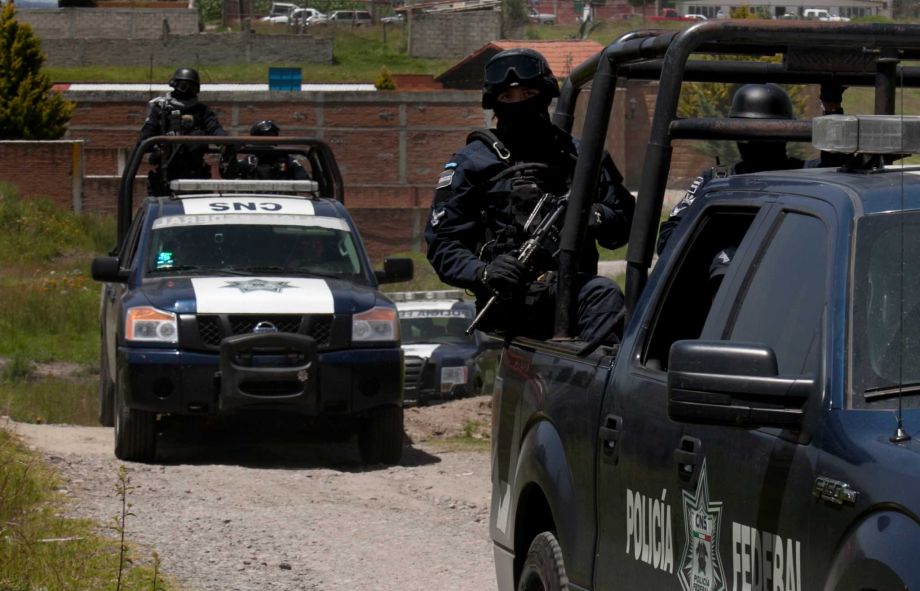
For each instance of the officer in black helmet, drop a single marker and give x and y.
(269, 164)
(179, 113)
(485, 193)
(757, 101)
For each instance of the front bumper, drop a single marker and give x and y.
(295, 377)
(423, 381)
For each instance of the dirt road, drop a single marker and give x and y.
(250, 508)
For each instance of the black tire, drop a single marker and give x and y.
(135, 433)
(106, 395)
(544, 569)
(380, 439)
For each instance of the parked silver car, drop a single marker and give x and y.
(351, 17)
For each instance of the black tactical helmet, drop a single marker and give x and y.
(185, 80)
(266, 127)
(517, 65)
(761, 101)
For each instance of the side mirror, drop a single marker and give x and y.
(725, 383)
(395, 270)
(108, 270)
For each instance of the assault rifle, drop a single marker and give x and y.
(540, 236)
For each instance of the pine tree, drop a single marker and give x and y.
(28, 108)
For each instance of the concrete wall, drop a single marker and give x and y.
(109, 23)
(449, 36)
(211, 48)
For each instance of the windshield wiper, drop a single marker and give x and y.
(199, 269)
(268, 269)
(310, 271)
(886, 392)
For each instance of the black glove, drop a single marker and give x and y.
(832, 92)
(831, 96)
(229, 166)
(504, 274)
(596, 216)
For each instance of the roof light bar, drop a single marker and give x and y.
(242, 186)
(412, 296)
(867, 134)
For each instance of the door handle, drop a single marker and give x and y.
(610, 436)
(687, 456)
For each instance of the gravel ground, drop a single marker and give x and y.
(247, 507)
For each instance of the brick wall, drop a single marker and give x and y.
(109, 23)
(211, 48)
(391, 147)
(52, 169)
(448, 36)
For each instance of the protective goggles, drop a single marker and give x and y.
(183, 85)
(524, 67)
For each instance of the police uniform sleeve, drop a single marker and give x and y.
(669, 225)
(616, 205)
(453, 226)
(210, 124)
(297, 170)
(151, 125)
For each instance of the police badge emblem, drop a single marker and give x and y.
(701, 565)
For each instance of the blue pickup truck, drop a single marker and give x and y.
(245, 296)
(757, 436)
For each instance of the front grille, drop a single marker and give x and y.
(320, 328)
(413, 367)
(245, 324)
(213, 328)
(209, 330)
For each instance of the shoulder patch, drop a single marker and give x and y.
(445, 178)
(450, 165)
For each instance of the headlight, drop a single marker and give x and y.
(452, 376)
(377, 324)
(151, 325)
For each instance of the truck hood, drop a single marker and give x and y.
(258, 295)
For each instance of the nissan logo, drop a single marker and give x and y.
(264, 326)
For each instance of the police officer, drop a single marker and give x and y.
(751, 101)
(268, 164)
(179, 113)
(486, 192)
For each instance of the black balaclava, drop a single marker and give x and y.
(761, 156)
(526, 129)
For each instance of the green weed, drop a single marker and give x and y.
(73, 401)
(40, 549)
(38, 231)
(50, 303)
(17, 369)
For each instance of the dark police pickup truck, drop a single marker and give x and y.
(762, 436)
(441, 360)
(242, 296)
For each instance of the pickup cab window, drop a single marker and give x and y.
(688, 298)
(886, 311)
(782, 305)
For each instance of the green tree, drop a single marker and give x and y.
(28, 108)
(384, 80)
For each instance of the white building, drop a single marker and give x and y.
(788, 8)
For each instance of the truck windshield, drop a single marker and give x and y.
(429, 326)
(256, 249)
(886, 308)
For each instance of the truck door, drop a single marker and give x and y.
(639, 487)
(745, 511)
(112, 293)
